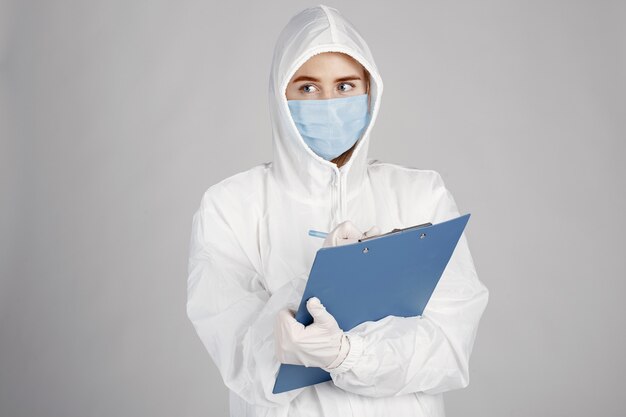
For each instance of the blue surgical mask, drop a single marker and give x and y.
(330, 127)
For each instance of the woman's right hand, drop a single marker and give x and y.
(346, 232)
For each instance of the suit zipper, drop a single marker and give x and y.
(339, 190)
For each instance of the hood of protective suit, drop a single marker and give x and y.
(310, 32)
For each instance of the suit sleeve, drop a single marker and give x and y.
(231, 311)
(428, 353)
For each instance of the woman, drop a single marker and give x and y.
(250, 254)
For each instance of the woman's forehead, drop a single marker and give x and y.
(329, 64)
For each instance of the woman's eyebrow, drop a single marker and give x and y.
(348, 78)
(309, 78)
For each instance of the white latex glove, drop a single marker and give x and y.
(321, 344)
(346, 232)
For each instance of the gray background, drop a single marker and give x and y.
(115, 116)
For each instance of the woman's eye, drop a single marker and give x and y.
(348, 87)
(308, 88)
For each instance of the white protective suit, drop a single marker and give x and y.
(250, 256)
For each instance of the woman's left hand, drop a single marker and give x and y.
(321, 344)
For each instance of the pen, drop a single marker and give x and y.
(315, 233)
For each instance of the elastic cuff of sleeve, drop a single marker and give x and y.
(344, 348)
(354, 354)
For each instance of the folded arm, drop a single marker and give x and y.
(231, 311)
(428, 353)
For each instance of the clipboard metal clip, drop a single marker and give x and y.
(397, 231)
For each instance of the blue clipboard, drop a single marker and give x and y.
(392, 274)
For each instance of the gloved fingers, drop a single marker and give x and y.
(342, 242)
(373, 231)
(335, 241)
(346, 232)
(319, 313)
